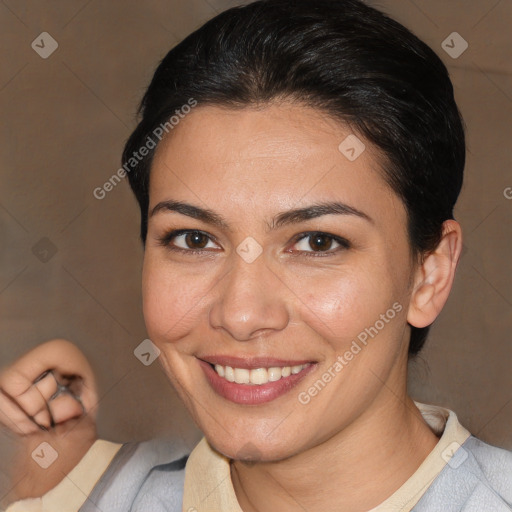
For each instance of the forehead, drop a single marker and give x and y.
(268, 158)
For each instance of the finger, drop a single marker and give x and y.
(88, 396)
(63, 358)
(15, 381)
(14, 418)
(65, 407)
(34, 401)
(35, 405)
(67, 359)
(44, 419)
(82, 392)
(47, 385)
(58, 355)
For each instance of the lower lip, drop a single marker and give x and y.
(248, 394)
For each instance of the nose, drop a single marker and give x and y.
(250, 301)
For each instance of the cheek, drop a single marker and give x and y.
(361, 317)
(339, 306)
(173, 301)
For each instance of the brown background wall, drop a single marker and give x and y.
(64, 121)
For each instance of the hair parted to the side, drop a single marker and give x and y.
(344, 58)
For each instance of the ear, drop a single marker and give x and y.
(434, 277)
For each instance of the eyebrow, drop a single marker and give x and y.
(288, 217)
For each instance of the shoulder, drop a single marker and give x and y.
(477, 477)
(134, 481)
(493, 463)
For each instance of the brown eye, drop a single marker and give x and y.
(186, 241)
(318, 243)
(196, 240)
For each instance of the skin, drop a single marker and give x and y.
(25, 408)
(361, 437)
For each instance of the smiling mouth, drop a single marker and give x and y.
(253, 380)
(257, 376)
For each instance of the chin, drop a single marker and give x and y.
(254, 449)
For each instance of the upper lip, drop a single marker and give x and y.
(252, 362)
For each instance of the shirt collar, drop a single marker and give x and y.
(208, 485)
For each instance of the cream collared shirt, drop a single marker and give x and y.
(72, 492)
(208, 485)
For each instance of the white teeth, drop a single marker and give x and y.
(241, 376)
(220, 370)
(257, 376)
(229, 374)
(274, 374)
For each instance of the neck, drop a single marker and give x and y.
(356, 469)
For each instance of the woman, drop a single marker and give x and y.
(296, 166)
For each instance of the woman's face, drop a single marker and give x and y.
(252, 286)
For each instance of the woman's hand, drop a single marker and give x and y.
(47, 396)
(49, 386)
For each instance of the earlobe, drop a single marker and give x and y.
(434, 277)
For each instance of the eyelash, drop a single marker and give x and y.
(166, 239)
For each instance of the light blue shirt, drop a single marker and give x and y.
(149, 477)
